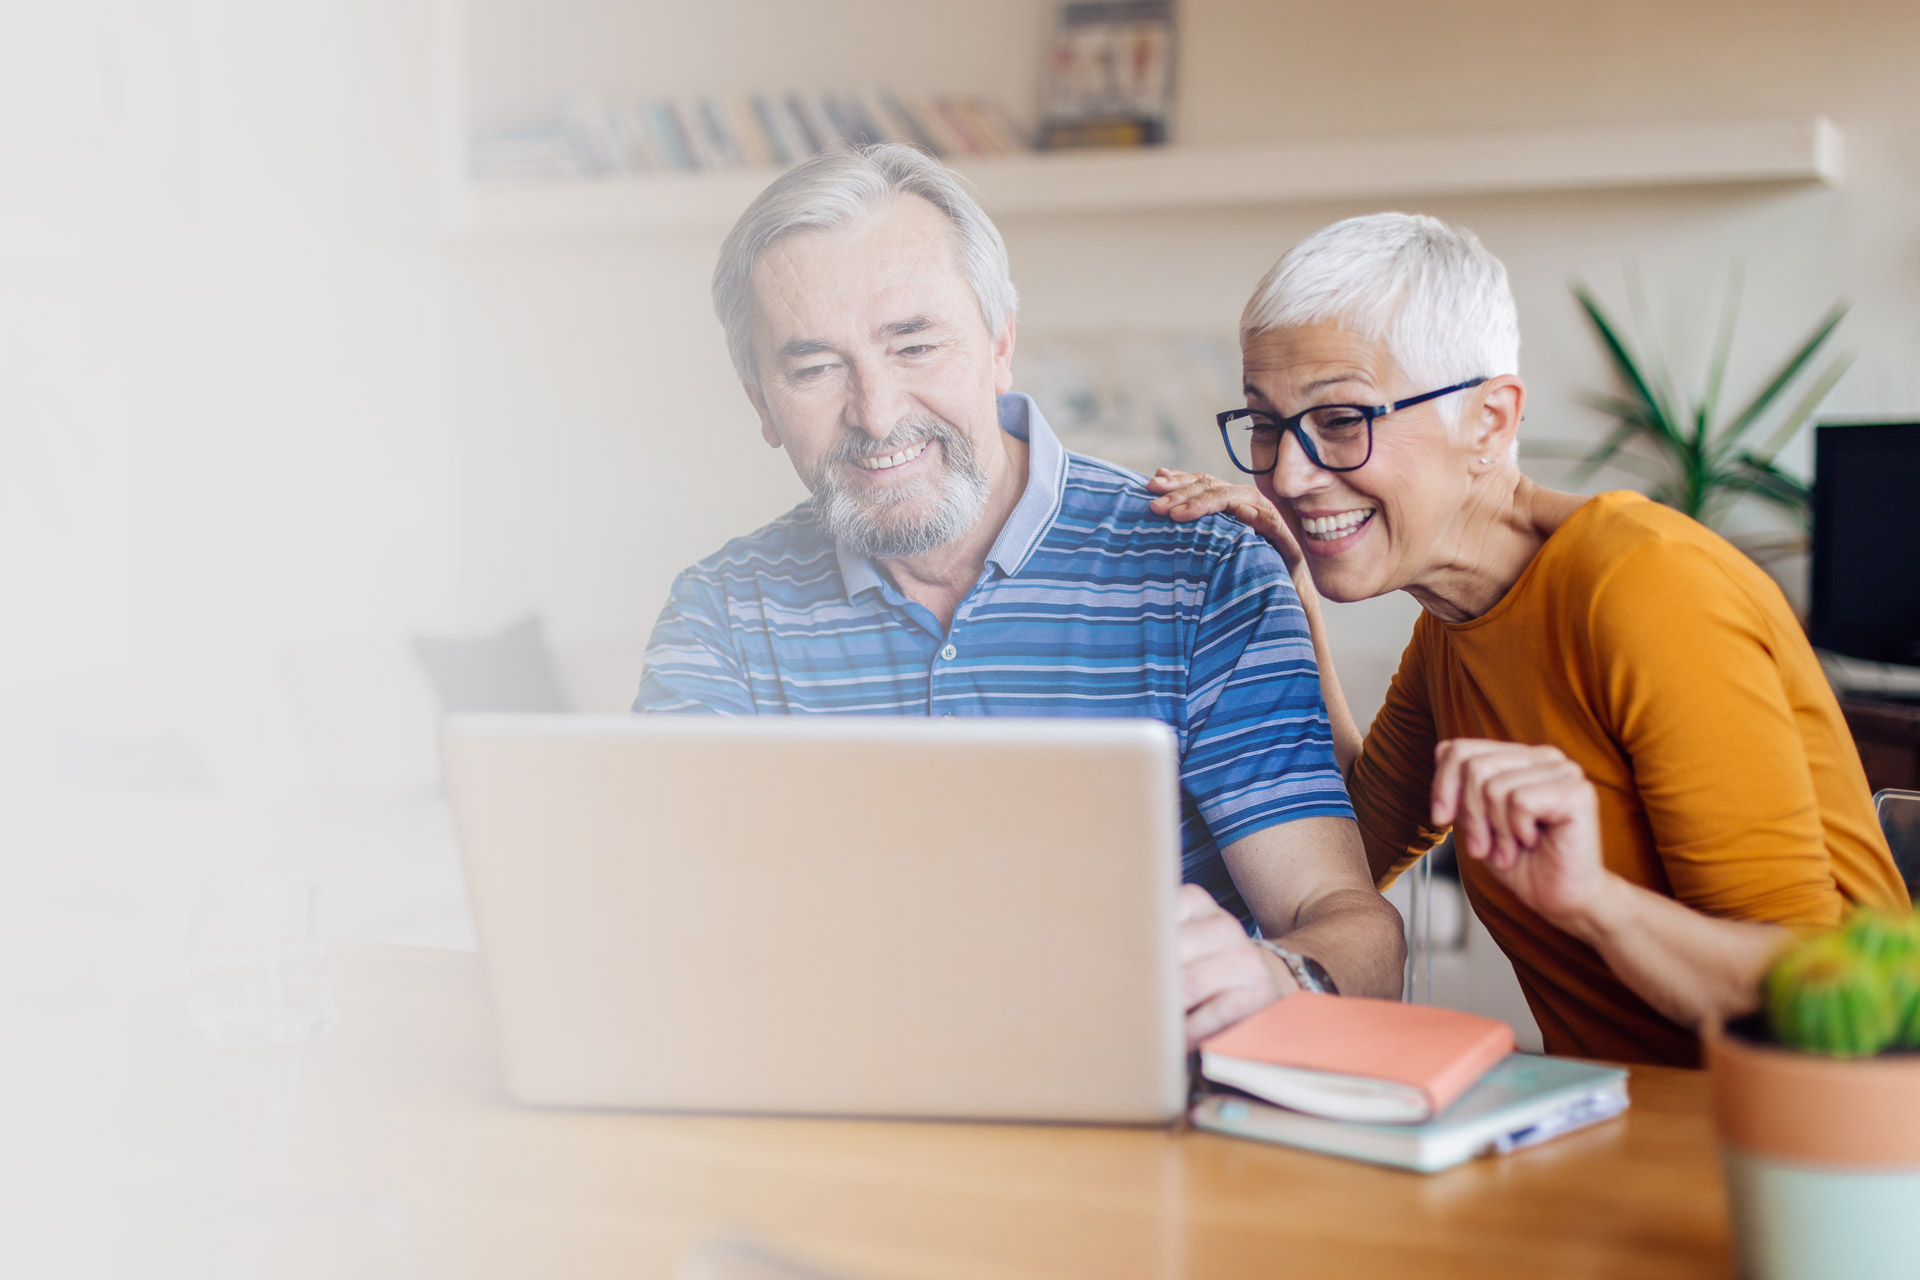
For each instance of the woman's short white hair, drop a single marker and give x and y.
(834, 190)
(1431, 292)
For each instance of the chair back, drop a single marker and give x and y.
(1899, 814)
(1418, 985)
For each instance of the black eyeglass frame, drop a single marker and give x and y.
(1367, 411)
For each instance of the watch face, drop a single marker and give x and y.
(1308, 972)
(1322, 980)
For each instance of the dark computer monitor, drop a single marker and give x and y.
(1866, 540)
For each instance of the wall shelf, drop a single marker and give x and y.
(1804, 150)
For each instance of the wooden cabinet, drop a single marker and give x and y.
(1888, 735)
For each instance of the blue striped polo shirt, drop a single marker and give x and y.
(1090, 604)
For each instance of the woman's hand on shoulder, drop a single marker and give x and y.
(1189, 495)
(1531, 817)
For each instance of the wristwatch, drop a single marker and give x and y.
(1308, 972)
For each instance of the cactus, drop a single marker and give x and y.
(1903, 985)
(1883, 938)
(1825, 997)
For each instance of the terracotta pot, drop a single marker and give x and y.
(1822, 1159)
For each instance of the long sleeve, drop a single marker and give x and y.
(1391, 781)
(1686, 663)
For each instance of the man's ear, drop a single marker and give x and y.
(768, 432)
(1003, 360)
(1492, 431)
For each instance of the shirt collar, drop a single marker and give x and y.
(1033, 515)
(1030, 518)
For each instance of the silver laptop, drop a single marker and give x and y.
(850, 916)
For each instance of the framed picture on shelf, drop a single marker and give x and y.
(1109, 75)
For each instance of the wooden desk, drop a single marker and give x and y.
(1887, 735)
(391, 1138)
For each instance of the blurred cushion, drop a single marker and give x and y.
(510, 670)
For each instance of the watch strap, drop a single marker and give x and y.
(1308, 972)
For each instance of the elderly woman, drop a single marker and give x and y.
(1649, 780)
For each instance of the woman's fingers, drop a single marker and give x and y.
(1188, 496)
(1541, 797)
(1524, 798)
(1482, 789)
(1449, 762)
(1528, 814)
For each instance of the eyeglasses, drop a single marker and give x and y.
(1336, 437)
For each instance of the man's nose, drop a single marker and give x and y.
(875, 403)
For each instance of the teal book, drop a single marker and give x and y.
(1526, 1099)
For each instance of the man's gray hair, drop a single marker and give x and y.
(1431, 292)
(834, 190)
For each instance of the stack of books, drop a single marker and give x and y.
(1406, 1085)
(693, 134)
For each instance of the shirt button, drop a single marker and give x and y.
(949, 653)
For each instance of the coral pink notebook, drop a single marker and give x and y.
(1351, 1058)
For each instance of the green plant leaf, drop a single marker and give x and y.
(1624, 361)
(1785, 374)
(1767, 482)
(1797, 416)
(1619, 407)
(1645, 420)
(1723, 341)
(1605, 453)
(1702, 468)
(1658, 377)
(1767, 469)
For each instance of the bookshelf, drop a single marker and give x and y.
(1801, 150)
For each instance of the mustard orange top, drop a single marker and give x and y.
(1669, 667)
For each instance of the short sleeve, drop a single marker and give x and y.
(1258, 749)
(1684, 658)
(1392, 779)
(691, 665)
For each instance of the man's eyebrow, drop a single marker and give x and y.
(913, 324)
(800, 347)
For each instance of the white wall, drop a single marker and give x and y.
(223, 410)
(604, 444)
(224, 439)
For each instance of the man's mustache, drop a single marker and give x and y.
(852, 448)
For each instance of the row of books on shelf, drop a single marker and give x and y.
(744, 131)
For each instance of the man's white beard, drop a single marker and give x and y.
(902, 520)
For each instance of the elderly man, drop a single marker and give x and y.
(955, 561)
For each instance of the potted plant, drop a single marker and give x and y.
(1695, 454)
(1817, 1103)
